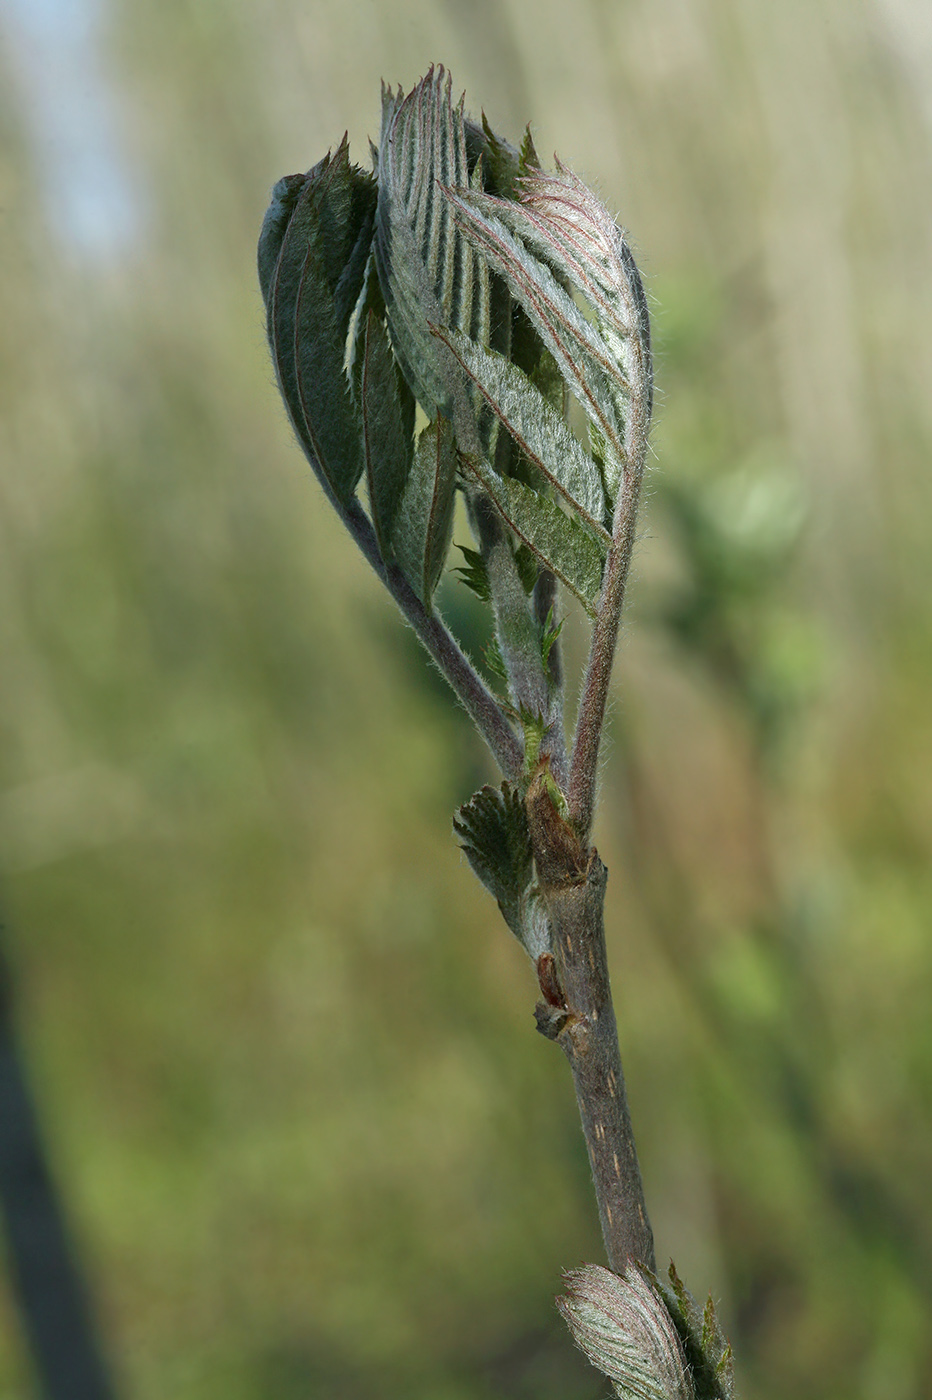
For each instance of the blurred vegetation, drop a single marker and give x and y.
(285, 1053)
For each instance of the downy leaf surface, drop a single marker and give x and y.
(523, 251)
(560, 209)
(541, 433)
(428, 272)
(558, 540)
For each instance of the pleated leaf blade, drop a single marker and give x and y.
(428, 272)
(541, 433)
(587, 363)
(496, 840)
(558, 540)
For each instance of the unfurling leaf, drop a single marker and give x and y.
(559, 224)
(423, 522)
(583, 358)
(474, 573)
(428, 272)
(560, 210)
(310, 292)
(705, 1344)
(625, 1329)
(284, 198)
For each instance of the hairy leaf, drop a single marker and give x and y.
(528, 566)
(316, 281)
(707, 1349)
(495, 837)
(541, 433)
(424, 520)
(428, 272)
(559, 541)
(586, 362)
(559, 210)
(624, 1327)
(388, 442)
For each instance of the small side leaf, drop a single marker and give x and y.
(707, 1349)
(423, 523)
(474, 573)
(388, 443)
(558, 541)
(494, 834)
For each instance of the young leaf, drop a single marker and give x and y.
(528, 566)
(539, 431)
(560, 209)
(423, 523)
(428, 272)
(317, 278)
(387, 436)
(587, 363)
(284, 198)
(625, 1329)
(549, 636)
(707, 1349)
(474, 573)
(493, 829)
(558, 540)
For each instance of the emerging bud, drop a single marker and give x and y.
(623, 1326)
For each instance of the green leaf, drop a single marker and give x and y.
(284, 198)
(317, 279)
(528, 159)
(539, 431)
(502, 162)
(587, 363)
(387, 436)
(707, 1349)
(428, 272)
(528, 566)
(549, 636)
(474, 573)
(558, 211)
(424, 520)
(493, 830)
(557, 539)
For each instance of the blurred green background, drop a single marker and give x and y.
(308, 1140)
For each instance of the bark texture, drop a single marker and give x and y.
(577, 1013)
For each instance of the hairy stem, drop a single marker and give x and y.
(554, 741)
(591, 718)
(577, 1013)
(474, 695)
(585, 761)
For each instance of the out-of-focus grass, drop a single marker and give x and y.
(283, 1049)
